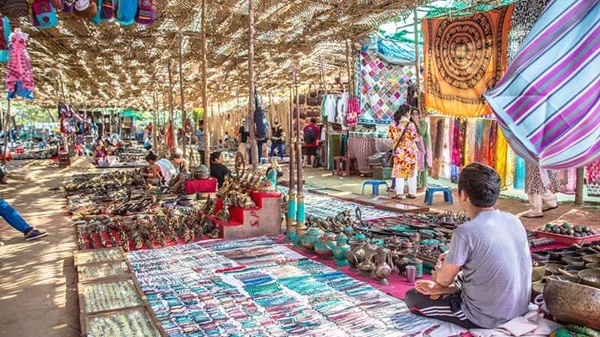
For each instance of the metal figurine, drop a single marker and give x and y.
(300, 214)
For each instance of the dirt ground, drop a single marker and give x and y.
(38, 294)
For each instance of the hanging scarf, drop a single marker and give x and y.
(519, 182)
(471, 140)
(478, 140)
(19, 73)
(526, 13)
(462, 142)
(500, 157)
(485, 142)
(4, 39)
(493, 138)
(593, 178)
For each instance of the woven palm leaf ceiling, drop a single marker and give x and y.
(115, 66)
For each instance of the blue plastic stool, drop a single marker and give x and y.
(375, 184)
(431, 191)
(264, 161)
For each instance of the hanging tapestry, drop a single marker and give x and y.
(567, 180)
(382, 88)
(593, 178)
(464, 57)
(526, 13)
(547, 103)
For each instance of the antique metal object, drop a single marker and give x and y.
(573, 303)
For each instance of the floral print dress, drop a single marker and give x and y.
(405, 155)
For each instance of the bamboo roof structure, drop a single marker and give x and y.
(110, 65)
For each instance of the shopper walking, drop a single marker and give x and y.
(277, 140)
(13, 218)
(311, 141)
(200, 141)
(540, 186)
(243, 141)
(404, 151)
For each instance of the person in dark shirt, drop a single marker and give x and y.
(277, 140)
(217, 169)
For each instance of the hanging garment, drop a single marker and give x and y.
(19, 73)
(478, 140)
(342, 109)
(331, 108)
(126, 11)
(493, 139)
(511, 165)
(4, 39)
(485, 142)
(567, 180)
(593, 178)
(519, 182)
(464, 57)
(353, 111)
(547, 103)
(471, 141)
(501, 156)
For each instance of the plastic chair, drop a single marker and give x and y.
(375, 185)
(431, 190)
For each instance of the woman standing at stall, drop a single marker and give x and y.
(424, 147)
(404, 135)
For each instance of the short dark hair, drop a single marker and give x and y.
(401, 112)
(313, 120)
(214, 156)
(481, 183)
(151, 156)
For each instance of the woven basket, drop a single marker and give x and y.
(14, 8)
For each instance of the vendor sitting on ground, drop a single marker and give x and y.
(217, 169)
(164, 170)
(484, 280)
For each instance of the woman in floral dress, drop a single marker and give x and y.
(404, 135)
(541, 187)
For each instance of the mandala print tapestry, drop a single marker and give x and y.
(464, 57)
(382, 88)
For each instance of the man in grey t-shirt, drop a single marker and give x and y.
(485, 278)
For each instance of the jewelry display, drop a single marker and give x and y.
(103, 296)
(255, 287)
(101, 270)
(127, 323)
(98, 255)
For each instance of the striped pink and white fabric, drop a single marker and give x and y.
(548, 102)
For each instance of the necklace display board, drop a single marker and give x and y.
(255, 287)
(111, 303)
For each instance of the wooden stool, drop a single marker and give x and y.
(344, 166)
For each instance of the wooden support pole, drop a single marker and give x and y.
(579, 187)
(7, 133)
(300, 213)
(207, 117)
(155, 125)
(290, 231)
(417, 61)
(348, 72)
(171, 111)
(251, 128)
(183, 113)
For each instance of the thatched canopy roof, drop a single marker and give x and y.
(115, 66)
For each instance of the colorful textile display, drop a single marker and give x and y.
(464, 57)
(548, 100)
(382, 88)
(519, 183)
(593, 178)
(19, 73)
(567, 180)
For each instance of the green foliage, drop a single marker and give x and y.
(197, 115)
